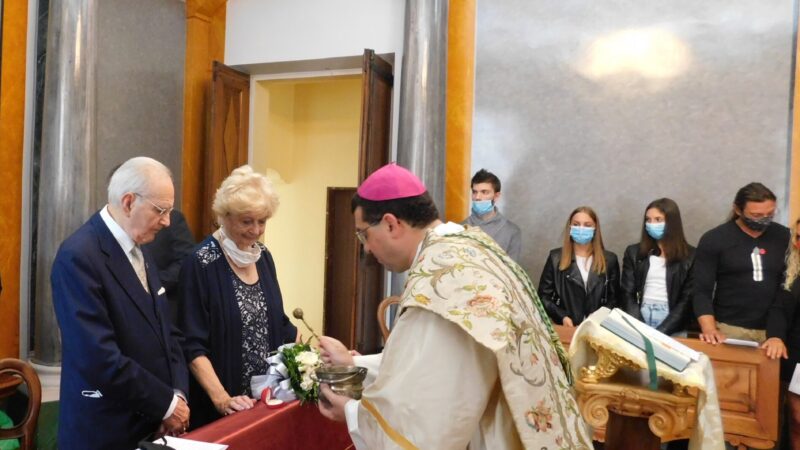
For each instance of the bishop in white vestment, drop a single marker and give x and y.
(472, 361)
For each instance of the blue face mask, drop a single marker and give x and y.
(655, 230)
(482, 207)
(581, 235)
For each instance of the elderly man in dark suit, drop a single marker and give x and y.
(123, 374)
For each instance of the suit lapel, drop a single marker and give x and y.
(157, 296)
(122, 270)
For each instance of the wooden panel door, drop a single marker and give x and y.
(227, 144)
(353, 279)
(376, 126)
(341, 264)
(376, 114)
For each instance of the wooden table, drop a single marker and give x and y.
(748, 385)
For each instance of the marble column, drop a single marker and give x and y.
(421, 134)
(68, 153)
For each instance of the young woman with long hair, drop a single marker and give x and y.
(580, 276)
(656, 271)
(789, 297)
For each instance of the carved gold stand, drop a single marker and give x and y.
(604, 392)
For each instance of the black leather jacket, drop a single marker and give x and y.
(679, 288)
(564, 295)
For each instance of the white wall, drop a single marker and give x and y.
(265, 31)
(287, 33)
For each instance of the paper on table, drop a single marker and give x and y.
(794, 385)
(188, 444)
(742, 342)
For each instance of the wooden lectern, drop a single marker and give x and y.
(747, 384)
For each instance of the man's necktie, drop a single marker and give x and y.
(137, 259)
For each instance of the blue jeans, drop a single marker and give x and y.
(654, 313)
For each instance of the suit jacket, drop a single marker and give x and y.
(168, 249)
(122, 359)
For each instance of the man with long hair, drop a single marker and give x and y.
(738, 269)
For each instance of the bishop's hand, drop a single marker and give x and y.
(334, 352)
(331, 405)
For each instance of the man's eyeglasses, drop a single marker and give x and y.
(362, 234)
(161, 211)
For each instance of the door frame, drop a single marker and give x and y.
(286, 76)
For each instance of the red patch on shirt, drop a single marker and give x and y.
(762, 251)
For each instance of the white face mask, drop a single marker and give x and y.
(242, 258)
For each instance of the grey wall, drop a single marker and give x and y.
(565, 119)
(140, 68)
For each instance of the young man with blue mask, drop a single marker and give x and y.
(484, 214)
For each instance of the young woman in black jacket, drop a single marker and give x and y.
(789, 299)
(581, 276)
(657, 271)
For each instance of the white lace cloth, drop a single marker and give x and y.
(707, 432)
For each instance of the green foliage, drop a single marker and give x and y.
(295, 376)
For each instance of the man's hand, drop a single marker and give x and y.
(567, 322)
(332, 405)
(334, 352)
(177, 423)
(230, 405)
(709, 332)
(775, 348)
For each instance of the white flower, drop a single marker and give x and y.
(307, 383)
(307, 358)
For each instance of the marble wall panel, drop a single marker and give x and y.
(141, 52)
(613, 104)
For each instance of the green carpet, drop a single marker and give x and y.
(17, 405)
(48, 426)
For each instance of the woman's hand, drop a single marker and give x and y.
(567, 322)
(775, 348)
(230, 405)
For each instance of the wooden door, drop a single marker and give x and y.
(353, 279)
(341, 265)
(376, 114)
(376, 126)
(227, 144)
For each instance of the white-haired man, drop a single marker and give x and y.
(123, 373)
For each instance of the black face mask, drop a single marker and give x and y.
(757, 225)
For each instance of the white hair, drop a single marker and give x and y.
(245, 191)
(134, 176)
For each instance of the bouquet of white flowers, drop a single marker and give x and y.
(302, 361)
(291, 374)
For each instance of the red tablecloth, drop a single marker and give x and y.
(293, 427)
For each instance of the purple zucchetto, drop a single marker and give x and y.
(391, 182)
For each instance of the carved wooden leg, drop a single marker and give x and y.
(630, 433)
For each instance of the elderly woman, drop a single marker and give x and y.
(230, 309)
